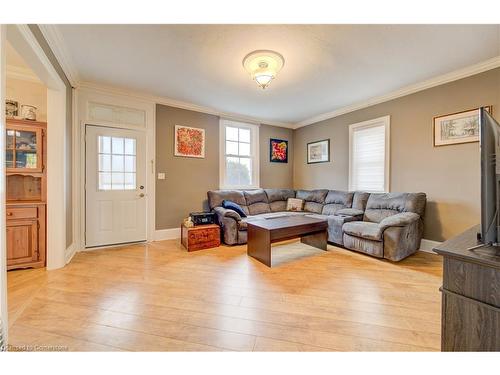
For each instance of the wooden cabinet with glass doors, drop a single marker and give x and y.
(26, 193)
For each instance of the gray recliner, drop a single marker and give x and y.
(392, 226)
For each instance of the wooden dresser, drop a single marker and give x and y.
(470, 318)
(26, 193)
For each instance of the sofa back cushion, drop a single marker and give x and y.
(257, 202)
(382, 205)
(314, 199)
(277, 198)
(336, 200)
(215, 198)
(360, 199)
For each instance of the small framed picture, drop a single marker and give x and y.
(318, 152)
(189, 142)
(456, 128)
(278, 150)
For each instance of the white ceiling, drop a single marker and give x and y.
(327, 67)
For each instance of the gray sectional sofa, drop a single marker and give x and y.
(385, 225)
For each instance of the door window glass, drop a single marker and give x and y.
(117, 163)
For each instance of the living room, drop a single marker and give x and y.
(251, 186)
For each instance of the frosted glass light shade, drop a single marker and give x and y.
(263, 65)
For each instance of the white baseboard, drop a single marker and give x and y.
(70, 252)
(428, 245)
(167, 234)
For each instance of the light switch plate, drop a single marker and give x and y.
(161, 176)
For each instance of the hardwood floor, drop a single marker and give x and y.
(158, 297)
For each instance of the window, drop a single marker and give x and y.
(369, 155)
(239, 162)
(117, 163)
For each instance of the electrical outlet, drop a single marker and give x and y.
(161, 176)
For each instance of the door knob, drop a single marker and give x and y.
(141, 195)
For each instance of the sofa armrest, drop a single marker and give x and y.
(399, 220)
(349, 212)
(224, 212)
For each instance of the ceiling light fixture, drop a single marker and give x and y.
(263, 65)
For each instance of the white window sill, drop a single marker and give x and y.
(239, 187)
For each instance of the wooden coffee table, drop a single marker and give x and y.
(263, 232)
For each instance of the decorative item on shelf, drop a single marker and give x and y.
(318, 152)
(263, 66)
(188, 222)
(28, 112)
(11, 108)
(189, 142)
(202, 218)
(456, 128)
(278, 150)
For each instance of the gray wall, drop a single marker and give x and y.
(449, 174)
(188, 179)
(69, 130)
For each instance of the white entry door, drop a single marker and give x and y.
(115, 186)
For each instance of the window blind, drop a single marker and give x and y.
(368, 157)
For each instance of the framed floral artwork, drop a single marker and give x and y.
(278, 150)
(189, 142)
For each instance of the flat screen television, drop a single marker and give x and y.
(489, 141)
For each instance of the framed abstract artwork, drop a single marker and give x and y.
(189, 142)
(278, 150)
(456, 128)
(318, 152)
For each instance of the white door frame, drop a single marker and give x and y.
(25, 43)
(3, 248)
(83, 98)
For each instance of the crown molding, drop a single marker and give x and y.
(178, 104)
(23, 74)
(407, 90)
(57, 44)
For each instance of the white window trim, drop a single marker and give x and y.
(386, 120)
(254, 135)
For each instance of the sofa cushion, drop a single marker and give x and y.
(382, 205)
(259, 208)
(359, 200)
(363, 229)
(256, 201)
(336, 200)
(230, 205)
(317, 208)
(277, 206)
(255, 196)
(274, 195)
(317, 196)
(339, 197)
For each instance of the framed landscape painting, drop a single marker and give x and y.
(278, 150)
(455, 128)
(189, 142)
(318, 152)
